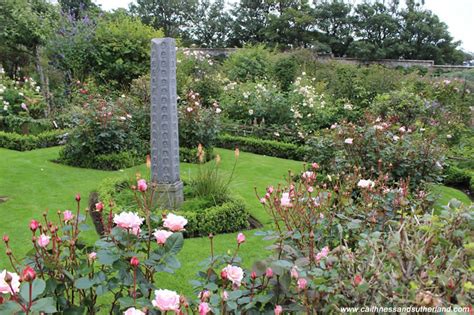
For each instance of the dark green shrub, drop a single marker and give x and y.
(284, 71)
(123, 49)
(188, 155)
(107, 134)
(248, 64)
(14, 141)
(264, 147)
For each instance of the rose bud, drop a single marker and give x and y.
(269, 272)
(78, 197)
(240, 238)
(28, 274)
(134, 261)
(6, 239)
(99, 206)
(8, 252)
(253, 275)
(34, 225)
(8, 277)
(224, 274)
(302, 283)
(357, 280)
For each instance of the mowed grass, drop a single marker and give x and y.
(33, 185)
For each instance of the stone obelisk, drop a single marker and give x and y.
(164, 124)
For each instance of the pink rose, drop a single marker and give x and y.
(174, 222)
(308, 175)
(92, 256)
(161, 236)
(99, 206)
(15, 283)
(240, 238)
(133, 311)
(302, 283)
(34, 225)
(310, 189)
(166, 300)
(278, 310)
(315, 165)
(225, 295)
(270, 189)
(234, 274)
(43, 240)
(285, 200)
(365, 183)
(204, 308)
(67, 216)
(141, 185)
(263, 201)
(348, 141)
(128, 220)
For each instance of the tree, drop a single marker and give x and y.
(25, 26)
(291, 24)
(334, 20)
(171, 16)
(376, 29)
(76, 7)
(250, 22)
(211, 24)
(424, 36)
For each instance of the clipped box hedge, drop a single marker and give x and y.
(264, 147)
(230, 216)
(15, 141)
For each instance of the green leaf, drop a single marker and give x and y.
(174, 243)
(47, 305)
(9, 307)
(84, 283)
(106, 257)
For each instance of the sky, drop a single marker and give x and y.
(457, 14)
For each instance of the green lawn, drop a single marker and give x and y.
(33, 185)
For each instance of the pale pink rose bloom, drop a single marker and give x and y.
(92, 256)
(240, 238)
(263, 201)
(310, 189)
(166, 300)
(67, 215)
(269, 272)
(133, 311)
(315, 165)
(225, 295)
(174, 222)
(294, 272)
(285, 200)
(365, 183)
(141, 185)
(135, 230)
(204, 308)
(234, 274)
(402, 129)
(278, 310)
(43, 240)
(302, 283)
(161, 236)
(189, 109)
(323, 253)
(128, 220)
(348, 141)
(15, 283)
(270, 189)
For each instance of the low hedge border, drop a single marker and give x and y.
(15, 141)
(264, 147)
(231, 216)
(460, 177)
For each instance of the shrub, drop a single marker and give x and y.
(248, 64)
(25, 124)
(107, 134)
(256, 103)
(21, 97)
(263, 147)
(406, 106)
(197, 124)
(284, 71)
(123, 49)
(14, 141)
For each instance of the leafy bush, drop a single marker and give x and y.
(107, 134)
(404, 105)
(25, 124)
(21, 97)
(264, 147)
(284, 71)
(256, 103)
(14, 141)
(248, 64)
(197, 124)
(123, 49)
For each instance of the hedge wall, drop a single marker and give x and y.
(15, 141)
